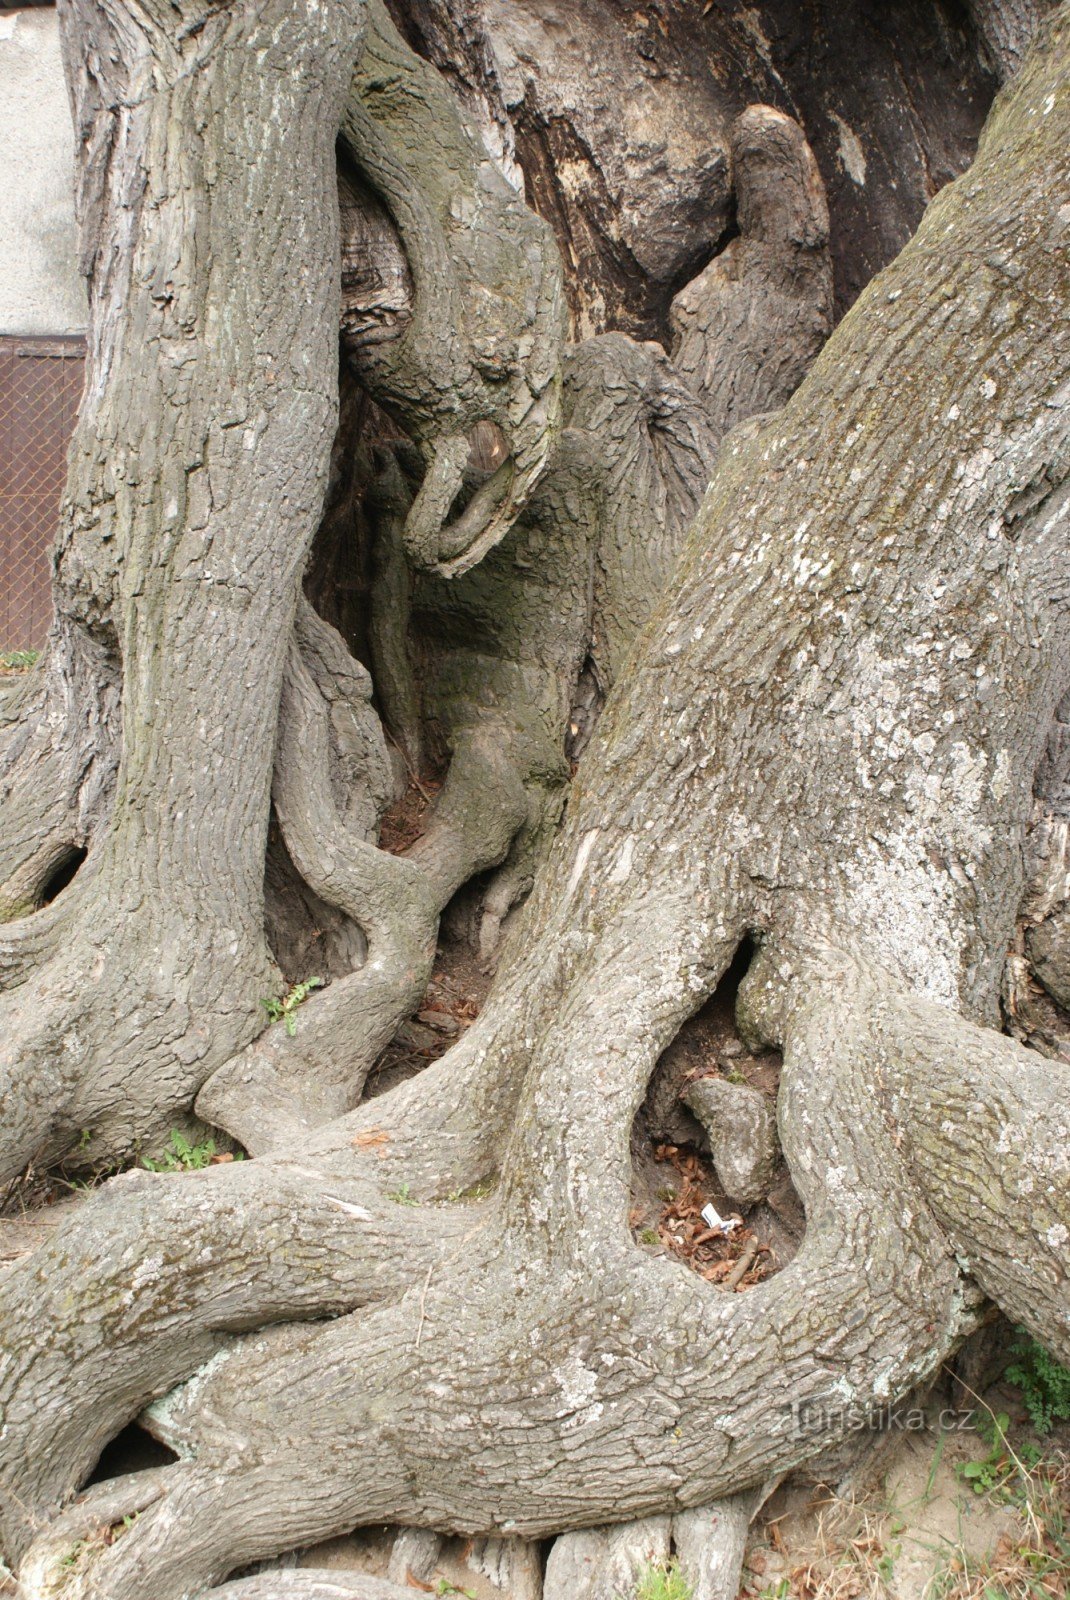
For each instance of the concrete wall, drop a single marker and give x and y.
(40, 289)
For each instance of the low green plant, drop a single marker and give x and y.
(1044, 1382)
(1031, 1559)
(663, 1580)
(996, 1469)
(648, 1236)
(475, 1191)
(446, 1587)
(18, 660)
(181, 1156)
(73, 1555)
(403, 1196)
(282, 1010)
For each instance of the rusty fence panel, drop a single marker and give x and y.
(40, 387)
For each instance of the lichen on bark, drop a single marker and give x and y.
(829, 695)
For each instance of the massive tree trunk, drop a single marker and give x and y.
(828, 698)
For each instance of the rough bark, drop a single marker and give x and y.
(747, 329)
(1006, 28)
(194, 527)
(199, 468)
(622, 122)
(825, 737)
(483, 341)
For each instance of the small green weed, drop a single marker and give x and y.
(403, 1196)
(993, 1471)
(648, 1236)
(18, 660)
(1044, 1382)
(663, 1580)
(283, 1010)
(446, 1587)
(475, 1191)
(182, 1156)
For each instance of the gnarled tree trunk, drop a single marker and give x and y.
(429, 1308)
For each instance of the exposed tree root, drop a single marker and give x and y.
(309, 1584)
(620, 1340)
(503, 650)
(825, 740)
(281, 1086)
(605, 1563)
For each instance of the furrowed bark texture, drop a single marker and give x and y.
(199, 469)
(1006, 28)
(826, 736)
(747, 329)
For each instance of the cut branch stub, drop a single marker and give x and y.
(747, 329)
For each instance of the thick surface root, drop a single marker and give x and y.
(509, 1360)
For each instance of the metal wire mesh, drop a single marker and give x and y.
(40, 386)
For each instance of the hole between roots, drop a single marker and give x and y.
(63, 874)
(132, 1450)
(673, 1171)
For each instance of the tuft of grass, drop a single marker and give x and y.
(480, 1190)
(852, 1556)
(1032, 1560)
(403, 1196)
(18, 660)
(663, 1580)
(73, 1555)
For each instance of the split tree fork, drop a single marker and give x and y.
(825, 739)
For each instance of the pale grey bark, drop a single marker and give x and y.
(777, 758)
(711, 1542)
(415, 1555)
(741, 1131)
(825, 738)
(191, 505)
(484, 339)
(312, 1585)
